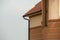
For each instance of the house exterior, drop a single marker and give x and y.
(35, 17)
(52, 31)
(44, 20)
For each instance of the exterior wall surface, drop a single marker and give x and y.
(36, 33)
(35, 27)
(53, 31)
(35, 21)
(59, 8)
(53, 9)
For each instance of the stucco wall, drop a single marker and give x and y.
(53, 9)
(35, 21)
(59, 8)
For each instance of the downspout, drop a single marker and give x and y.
(28, 27)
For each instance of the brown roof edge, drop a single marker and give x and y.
(38, 7)
(32, 13)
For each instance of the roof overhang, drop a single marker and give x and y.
(32, 14)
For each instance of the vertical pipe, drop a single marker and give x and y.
(28, 27)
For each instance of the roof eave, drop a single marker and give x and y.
(32, 14)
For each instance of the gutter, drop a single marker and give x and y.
(29, 22)
(25, 18)
(33, 13)
(28, 26)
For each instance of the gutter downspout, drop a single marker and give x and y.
(28, 27)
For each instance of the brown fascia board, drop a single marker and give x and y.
(54, 20)
(32, 14)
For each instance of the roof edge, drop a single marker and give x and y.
(32, 13)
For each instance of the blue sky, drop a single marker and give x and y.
(12, 24)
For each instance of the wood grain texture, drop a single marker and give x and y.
(36, 33)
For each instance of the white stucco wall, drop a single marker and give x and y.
(53, 9)
(59, 8)
(35, 21)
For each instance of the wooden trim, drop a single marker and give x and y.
(34, 13)
(44, 12)
(35, 27)
(54, 20)
(48, 9)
